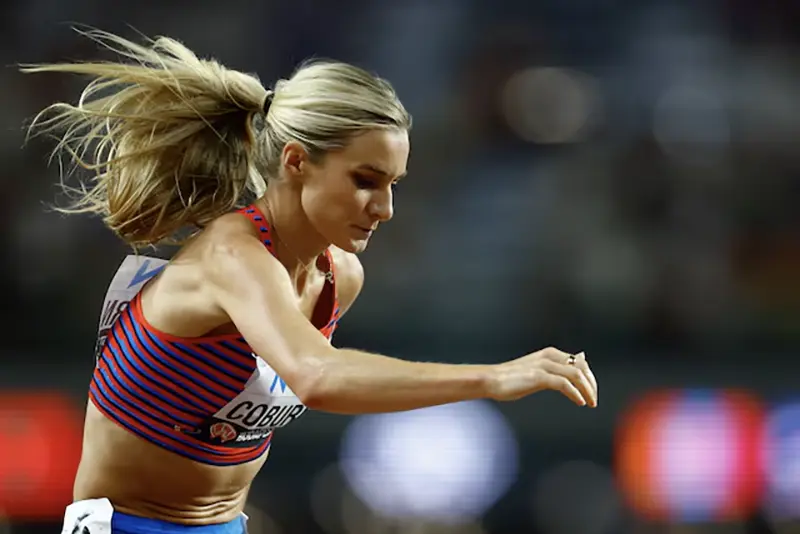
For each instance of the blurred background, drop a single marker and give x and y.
(614, 176)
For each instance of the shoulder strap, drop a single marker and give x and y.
(261, 224)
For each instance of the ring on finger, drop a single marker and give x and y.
(571, 360)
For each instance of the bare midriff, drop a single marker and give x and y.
(144, 480)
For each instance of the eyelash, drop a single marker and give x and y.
(366, 183)
(363, 183)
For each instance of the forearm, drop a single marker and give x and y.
(355, 382)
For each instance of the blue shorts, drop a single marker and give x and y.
(97, 516)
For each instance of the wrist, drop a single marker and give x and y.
(485, 379)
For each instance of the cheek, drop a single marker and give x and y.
(331, 205)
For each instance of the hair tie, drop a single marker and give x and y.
(267, 102)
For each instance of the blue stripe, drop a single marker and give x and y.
(114, 408)
(121, 363)
(101, 398)
(246, 353)
(103, 386)
(222, 356)
(128, 411)
(160, 357)
(142, 333)
(188, 350)
(152, 372)
(132, 397)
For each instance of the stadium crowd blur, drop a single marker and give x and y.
(616, 176)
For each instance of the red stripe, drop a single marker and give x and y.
(166, 428)
(135, 422)
(229, 454)
(242, 375)
(211, 388)
(134, 377)
(162, 376)
(121, 386)
(242, 345)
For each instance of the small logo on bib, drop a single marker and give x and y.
(224, 432)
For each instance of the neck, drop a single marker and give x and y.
(296, 243)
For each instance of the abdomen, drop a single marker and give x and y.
(143, 479)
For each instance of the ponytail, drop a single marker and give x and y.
(168, 136)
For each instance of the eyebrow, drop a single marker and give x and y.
(376, 170)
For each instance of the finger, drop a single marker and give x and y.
(588, 385)
(583, 365)
(593, 379)
(555, 355)
(574, 375)
(582, 382)
(562, 384)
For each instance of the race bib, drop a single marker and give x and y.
(91, 516)
(126, 284)
(265, 404)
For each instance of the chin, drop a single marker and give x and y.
(353, 246)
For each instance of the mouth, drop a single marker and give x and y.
(366, 231)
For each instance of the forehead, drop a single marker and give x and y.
(383, 149)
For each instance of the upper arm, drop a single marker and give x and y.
(249, 284)
(349, 278)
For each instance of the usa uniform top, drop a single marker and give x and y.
(209, 398)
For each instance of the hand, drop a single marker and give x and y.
(546, 369)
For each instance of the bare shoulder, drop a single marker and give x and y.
(224, 236)
(349, 276)
(228, 225)
(230, 249)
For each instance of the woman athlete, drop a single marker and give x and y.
(200, 359)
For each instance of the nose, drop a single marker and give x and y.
(381, 207)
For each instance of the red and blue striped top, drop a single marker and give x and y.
(207, 398)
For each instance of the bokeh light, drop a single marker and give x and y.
(449, 463)
(691, 456)
(40, 446)
(783, 461)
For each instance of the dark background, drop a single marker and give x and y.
(616, 176)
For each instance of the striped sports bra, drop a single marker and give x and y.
(210, 399)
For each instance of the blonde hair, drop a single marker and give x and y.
(175, 141)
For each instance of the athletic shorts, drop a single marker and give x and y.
(97, 516)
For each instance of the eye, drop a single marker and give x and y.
(363, 182)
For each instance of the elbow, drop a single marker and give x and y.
(311, 383)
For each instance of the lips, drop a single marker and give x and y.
(366, 230)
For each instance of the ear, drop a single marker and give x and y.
(294, 160)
